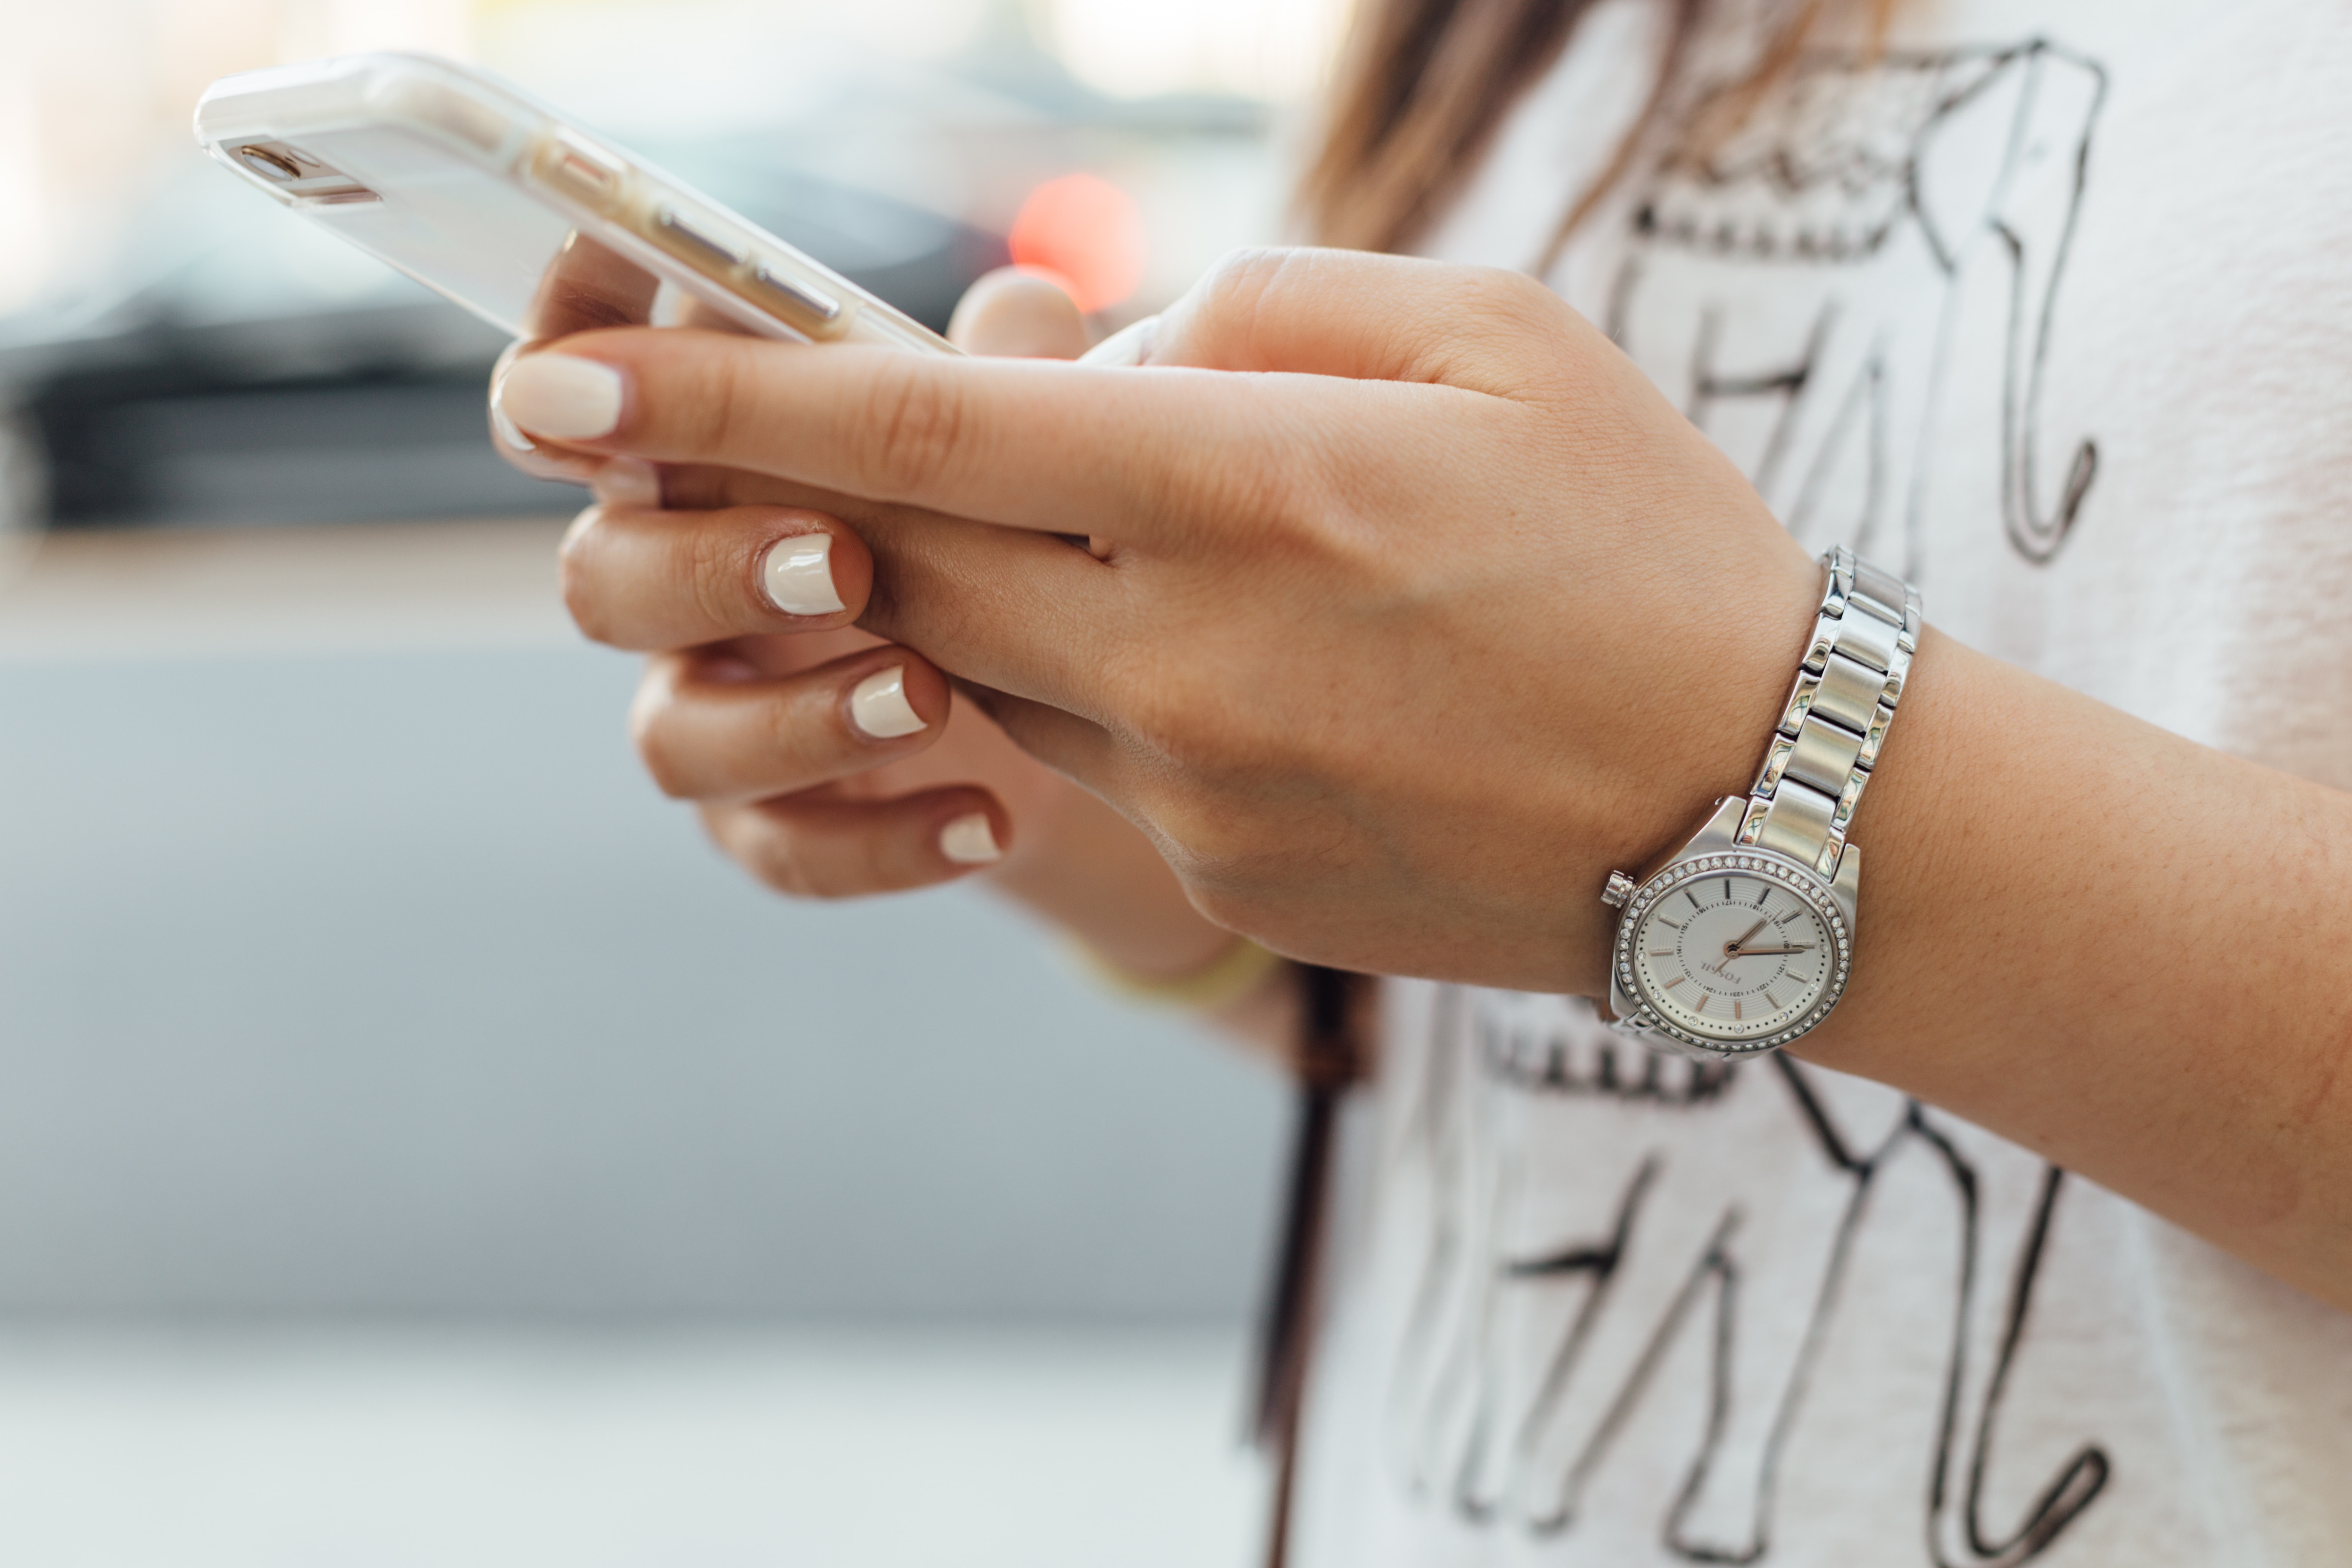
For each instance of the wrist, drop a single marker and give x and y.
(1684, 755)
(1741, 939)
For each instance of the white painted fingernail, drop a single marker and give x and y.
(969, 841)
(879, 707)
(563, 395)
(798, 576)
(628, 482)
(508, 433)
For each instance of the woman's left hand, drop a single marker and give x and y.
(1421, 609)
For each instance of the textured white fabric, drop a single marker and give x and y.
(2048, 306)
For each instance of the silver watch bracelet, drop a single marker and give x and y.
(1835, 721)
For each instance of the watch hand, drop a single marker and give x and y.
(1731, 949)
(1772, 952)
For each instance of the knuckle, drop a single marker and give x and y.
(580, 600)
(782, 870)
(918, 418)
(771, 849)
(829, 878)
(577, 581)
(654, 735)
(815, 862)
(657, 750)
(1240, 280)
(1507, 301)
(1212, 324)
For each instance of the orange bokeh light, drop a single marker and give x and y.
(1086, 232)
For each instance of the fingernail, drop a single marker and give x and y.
(628, 481)
(969, 841)
(879, 707)
(798, 576)
(506, 429)
(563, 395)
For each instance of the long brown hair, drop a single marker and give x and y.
(1425, 84)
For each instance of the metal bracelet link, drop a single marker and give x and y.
(1834, 723)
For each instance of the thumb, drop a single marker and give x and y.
(1364, 316)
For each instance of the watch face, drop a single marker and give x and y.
(1735, 950)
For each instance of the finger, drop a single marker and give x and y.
(712, 727)
(1014, 313)
(590, 285)
(548, 462)
(707, 487)
(1060, 448)
(1362, 316)
(616, 481)
(1017, 610)
(1078, 749)
(818, 847)
(648, 580)
(1024, 612)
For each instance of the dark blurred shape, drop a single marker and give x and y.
(221, 381)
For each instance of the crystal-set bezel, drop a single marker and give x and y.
(1797, 879)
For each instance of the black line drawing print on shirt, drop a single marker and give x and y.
(1523, 1368)
(1866, 187)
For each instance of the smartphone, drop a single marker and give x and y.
(489, 197)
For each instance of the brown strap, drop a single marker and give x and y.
(1328, 1061)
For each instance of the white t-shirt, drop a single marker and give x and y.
(2049, 308)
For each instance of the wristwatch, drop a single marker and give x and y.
(1741, 941)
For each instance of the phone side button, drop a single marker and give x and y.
(578, 172)
(798, 300)
(694, 240)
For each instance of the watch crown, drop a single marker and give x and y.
(1620, 889)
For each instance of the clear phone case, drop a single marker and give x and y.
(486, 196)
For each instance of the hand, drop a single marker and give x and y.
(760, 729)
(1423, 609)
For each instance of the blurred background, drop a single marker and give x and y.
(415, 1145)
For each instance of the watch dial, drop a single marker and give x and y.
(1732, 955)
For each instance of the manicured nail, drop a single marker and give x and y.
(563, 395)
(798, 576)
(969, 841)
(879, 707)
(507, 430)
(630, 482)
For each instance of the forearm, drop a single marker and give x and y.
(2127, 951)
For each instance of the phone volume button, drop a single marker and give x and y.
(695, 239)
(578, 172)
(825, 308)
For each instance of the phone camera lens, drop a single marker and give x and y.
(268, 164)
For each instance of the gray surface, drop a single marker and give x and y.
(384, 984)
